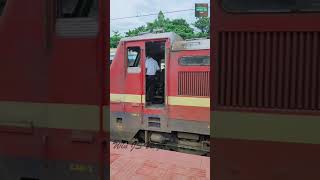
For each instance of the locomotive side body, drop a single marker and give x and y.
(265, 113)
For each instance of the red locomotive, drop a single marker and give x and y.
(179, 117)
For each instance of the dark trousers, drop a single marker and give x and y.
(150, 88)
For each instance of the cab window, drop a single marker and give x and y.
(77, 8)
(2, 5)
(133, 56)
(77, 18)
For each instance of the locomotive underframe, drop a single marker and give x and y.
(156, 130)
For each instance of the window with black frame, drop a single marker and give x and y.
(133, 56)
(2, 6)
(270, 5)
(195, 61)
(77, 8)
(77, 18)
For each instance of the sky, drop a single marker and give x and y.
(128, 8)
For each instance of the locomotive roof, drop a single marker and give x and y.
(178, 44)
(191, 45)
(168, 35)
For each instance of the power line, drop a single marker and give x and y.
(153, 14)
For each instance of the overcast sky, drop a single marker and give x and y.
(127, 8)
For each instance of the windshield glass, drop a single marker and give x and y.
(271, 5)
(2, 5)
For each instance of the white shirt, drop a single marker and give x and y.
(152, 66)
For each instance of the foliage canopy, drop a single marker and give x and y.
(179, 26)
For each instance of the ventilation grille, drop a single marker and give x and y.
(278, 70)
(193, 83)
(77, 27)
(154, 122)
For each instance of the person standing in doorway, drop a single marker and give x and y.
(152, 67)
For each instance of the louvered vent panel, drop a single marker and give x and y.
(77, 27)
(278, 70)
(193, 83)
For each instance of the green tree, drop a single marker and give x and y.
(179, 26)
(160, 22)
(114, 39)
(136, 31)
(203, 24)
